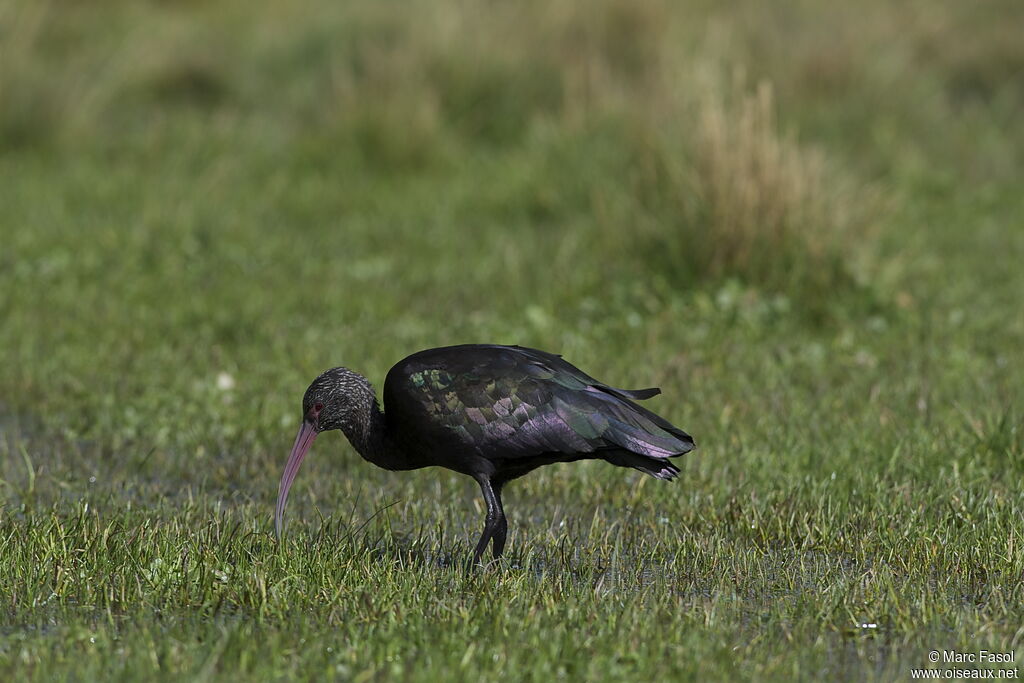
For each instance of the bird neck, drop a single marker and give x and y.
(372, 440)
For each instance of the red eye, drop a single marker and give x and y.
(318, 407)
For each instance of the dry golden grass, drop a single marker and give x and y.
(762, 192)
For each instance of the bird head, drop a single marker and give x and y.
(337, 399)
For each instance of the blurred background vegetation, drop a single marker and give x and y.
(801, 219)
(183, 179)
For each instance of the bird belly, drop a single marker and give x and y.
(444, 447)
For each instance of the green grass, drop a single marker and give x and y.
(204, 205)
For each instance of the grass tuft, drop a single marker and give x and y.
(741, 199)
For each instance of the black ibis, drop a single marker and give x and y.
(491, 412)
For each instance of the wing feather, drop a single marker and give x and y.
(510, 402)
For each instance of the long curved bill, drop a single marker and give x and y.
(304, 439)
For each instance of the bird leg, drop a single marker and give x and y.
(495, 526)
(501, 529)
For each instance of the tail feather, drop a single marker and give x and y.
(656, 467)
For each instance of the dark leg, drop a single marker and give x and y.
(495, 526)
(501, 530)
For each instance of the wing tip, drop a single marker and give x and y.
(642, 394)
(636, 394)
(688, 445)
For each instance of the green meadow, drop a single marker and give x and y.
(801, 220)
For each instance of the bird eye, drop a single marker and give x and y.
(318, 407)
